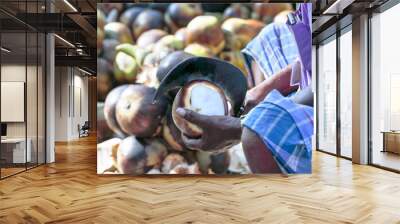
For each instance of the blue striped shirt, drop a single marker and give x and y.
(274, 48)
(286, 128)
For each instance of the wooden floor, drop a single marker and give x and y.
(69, 191)
(387, 159)
(10, 171)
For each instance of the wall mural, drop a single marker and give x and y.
(192, 88)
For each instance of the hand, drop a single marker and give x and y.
(219, 132)
(253, 97)
(279, 81)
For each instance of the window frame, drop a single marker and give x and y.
(334, 37)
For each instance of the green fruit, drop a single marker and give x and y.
(199, 50)
(137, 52)
(127, 49)
(125, 67)
(118, 31)
(169, 41)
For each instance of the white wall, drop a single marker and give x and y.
(71, 93)
(61, 103)
(33, 127)
(12, 73)
(16, 73)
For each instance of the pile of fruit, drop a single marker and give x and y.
(137, 44)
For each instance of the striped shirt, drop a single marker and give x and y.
(279, 45)
(286, 128)
(274, 48)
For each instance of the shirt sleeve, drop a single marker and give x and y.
(273, 49)
(301, 30)
(295, 78)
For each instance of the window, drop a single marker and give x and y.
(22, 75)
(385, 89)
(327, 96)
(346, 93)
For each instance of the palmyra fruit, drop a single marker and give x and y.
(148, 19)
(131, 157)
(200, 96)
(238, 32)
(150, 37)
(206, 30)
(135, 112)
(178, 15)
(118, 31)
(109, 109)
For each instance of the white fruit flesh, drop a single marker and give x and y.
(202, 97)
(205, 100)
(125, 62)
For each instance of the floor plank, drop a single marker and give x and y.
(70, 191)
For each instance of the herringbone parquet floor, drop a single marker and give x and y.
(69, 191)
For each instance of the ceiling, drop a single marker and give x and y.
(332, 15)
(72, 20)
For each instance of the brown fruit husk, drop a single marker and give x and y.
(135, 112)
(206, 30)
(171, 134)
(148, 19)
(171, 161)
(178, 15)
(110, 109)
(148, 77)
(236, 58)
(131, 157)
(156, 152)
(149, 38)
(199, 50)
(239, 32)
(265, 12)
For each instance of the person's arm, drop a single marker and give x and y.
(305, 97)
(279, 81)
(256, 76)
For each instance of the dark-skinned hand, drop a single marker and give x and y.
(219, 132)
(253, 98)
